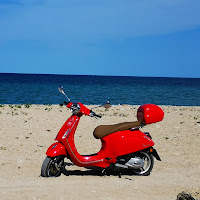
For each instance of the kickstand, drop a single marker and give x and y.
(107, 171)
(120, 175)
(103, 172)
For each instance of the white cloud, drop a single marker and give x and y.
(91, 20)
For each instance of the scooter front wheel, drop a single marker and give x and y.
(52, 166)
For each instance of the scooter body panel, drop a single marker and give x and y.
(126, 142)
(68, 127)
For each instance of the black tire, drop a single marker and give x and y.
(148, 163)
(52, 166)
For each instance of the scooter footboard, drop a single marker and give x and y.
(56, 149)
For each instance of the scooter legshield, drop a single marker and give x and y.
(56, 149)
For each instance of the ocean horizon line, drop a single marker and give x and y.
(97, 75)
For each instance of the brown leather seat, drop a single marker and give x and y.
(103, 130)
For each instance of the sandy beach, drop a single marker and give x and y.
(26, 131)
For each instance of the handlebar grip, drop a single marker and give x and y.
(93, 114)
(99, 116)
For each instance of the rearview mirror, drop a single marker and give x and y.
(61, 90)
(107, 105)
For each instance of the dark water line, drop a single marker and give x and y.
(42, 89)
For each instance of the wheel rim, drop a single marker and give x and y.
(54, 168)
(147, 163)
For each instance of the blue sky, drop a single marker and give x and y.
(101, 37)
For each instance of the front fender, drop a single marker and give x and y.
(56, 149)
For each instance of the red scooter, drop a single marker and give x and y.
(124, 146)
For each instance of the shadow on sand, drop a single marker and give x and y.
(94, 171)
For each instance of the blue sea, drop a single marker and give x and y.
(43, 89)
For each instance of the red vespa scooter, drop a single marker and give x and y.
(124, 146)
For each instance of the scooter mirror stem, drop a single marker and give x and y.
(105, 105)
(60, 88)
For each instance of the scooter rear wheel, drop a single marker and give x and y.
(148, 163)
(52, 166)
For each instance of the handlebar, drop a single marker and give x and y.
(80, 108)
